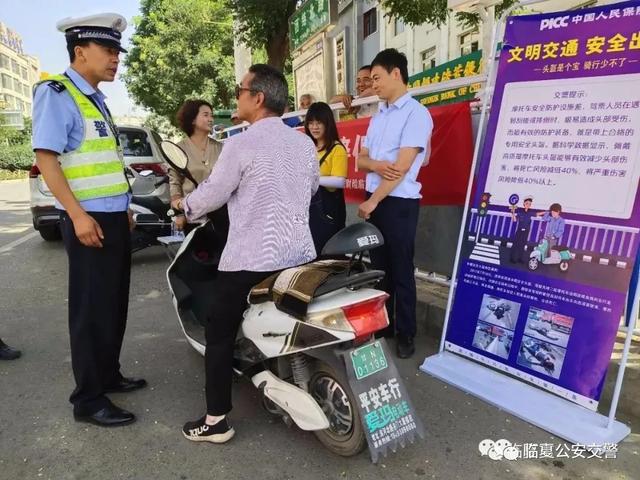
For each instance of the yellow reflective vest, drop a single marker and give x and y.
(95, 169)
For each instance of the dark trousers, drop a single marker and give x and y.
(397, 220)
(229, 303)
(98, 302)
(519, 242)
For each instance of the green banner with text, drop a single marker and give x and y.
(465, 66)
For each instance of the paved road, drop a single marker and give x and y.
(40, 440)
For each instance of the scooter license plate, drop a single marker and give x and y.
(368, 359)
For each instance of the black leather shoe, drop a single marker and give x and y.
(405, 347)
(127, 385)
(8, 353)
(110, 416)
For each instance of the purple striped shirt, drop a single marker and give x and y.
(267, 176)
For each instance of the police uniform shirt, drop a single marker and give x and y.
(58, 126)
(524, 217)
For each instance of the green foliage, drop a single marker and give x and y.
(15, 147)
(162, 126)
(16, 157)
(264, 24)
(14, 136)
(181, 49)
(417, 12)
(470, 20)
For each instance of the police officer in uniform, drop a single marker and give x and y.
(77, 151)
(523, 217)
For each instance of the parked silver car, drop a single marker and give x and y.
(141, 148)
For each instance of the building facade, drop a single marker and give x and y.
(332, 39)
(18, 73)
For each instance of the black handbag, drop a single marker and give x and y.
(323, 226)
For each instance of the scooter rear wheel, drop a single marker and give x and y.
(345, 436)
(533, 264)
(564, 266)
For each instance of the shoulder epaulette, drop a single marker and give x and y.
(57, 86)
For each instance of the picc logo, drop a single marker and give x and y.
(551, 23)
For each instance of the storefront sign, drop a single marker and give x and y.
(309, 19)
(466, 66)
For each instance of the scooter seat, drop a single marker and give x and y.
(559, 248)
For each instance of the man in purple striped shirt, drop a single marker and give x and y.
(267, 176)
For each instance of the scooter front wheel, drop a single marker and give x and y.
(345, 435)
(533, 264)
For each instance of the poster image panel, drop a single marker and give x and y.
(494, 340)
(541, 356)
(498, 311)
(548, 326)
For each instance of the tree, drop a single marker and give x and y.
(417, 12)
(181, 49)
(162, 126)
(265, 24)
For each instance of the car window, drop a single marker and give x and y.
(135, 143)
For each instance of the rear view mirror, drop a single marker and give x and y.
(175, 156)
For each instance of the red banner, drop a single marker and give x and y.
(444, 179)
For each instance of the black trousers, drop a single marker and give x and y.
(98, 303)
(397, 220)
(229, 303)
(519, 242)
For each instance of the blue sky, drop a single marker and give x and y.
(35, 21)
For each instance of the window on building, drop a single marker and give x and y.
(17, 86)
(26, 91)
(10, 101)
(15, 68)
(428, 57)
(7, 82)
(23, 73)
(398, 27)
(469, 42)
(5, 62)
(370, 22)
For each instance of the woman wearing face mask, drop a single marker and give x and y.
(327, 212)
(195, 119)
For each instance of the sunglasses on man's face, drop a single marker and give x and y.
(240, 88)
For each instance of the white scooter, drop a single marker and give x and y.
(297, 365)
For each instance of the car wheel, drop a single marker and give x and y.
(50, 233)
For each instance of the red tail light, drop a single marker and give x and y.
(34, 172)
(158, 169)
(369, 316)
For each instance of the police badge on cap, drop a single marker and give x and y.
(104, 28)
